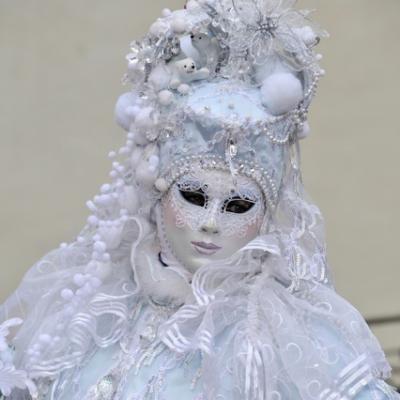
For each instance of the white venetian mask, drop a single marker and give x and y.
(206, 216)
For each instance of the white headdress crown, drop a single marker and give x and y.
(223, 83)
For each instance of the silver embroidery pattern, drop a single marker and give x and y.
(139, 349)
(216, 198)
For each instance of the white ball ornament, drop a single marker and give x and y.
(146, 174)
(100, 247)
(112, 236)
(165, 97)
(67, 294)
(305, 131)
(133, 111)
(122, 113)
(144, 118)
(153, 161)
(178, 24)
(79, 280)
(192, 5)
(93, 220)
(161, 185)
(140, 138)
(307, 35)
(281, 92)
(91, 206)
(183, 88)
(159, 28)
(105, 188)
(159, 77)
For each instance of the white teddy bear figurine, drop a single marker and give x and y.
(208, 49)
(177, 74)
(185, 71)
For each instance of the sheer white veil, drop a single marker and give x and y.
(268, 317)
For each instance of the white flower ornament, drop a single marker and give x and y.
(275, 26)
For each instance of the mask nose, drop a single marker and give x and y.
(209, 224)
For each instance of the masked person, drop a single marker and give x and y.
(201, 273)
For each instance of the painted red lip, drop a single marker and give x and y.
(207, 246)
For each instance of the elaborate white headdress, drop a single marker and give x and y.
(227, 81)
(221, 84)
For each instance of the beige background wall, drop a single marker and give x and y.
(60, 70)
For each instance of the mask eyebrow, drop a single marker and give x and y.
(244, 194)
(190, 185)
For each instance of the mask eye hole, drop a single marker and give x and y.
(238, 205)
(197, 197)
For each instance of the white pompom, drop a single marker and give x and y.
(132, 111)
(105, 188)
(144, 118)
(161, 185)
(140, 137)
(67, 294)
(281, 92)
(93, 220)
(145, 175)
(178, 24)
(166, 12)
(165, 97)
(160, 77)
(305, 131)
(183, 88)
(129, 199)
(79, 280)
(100, 247)
(159, 28)
(192, 5)
(122, 113)
(307, 35)
(153, 163)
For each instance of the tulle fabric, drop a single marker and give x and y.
(268, 317)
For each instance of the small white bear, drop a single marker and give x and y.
(186, 71)
(208, 49)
